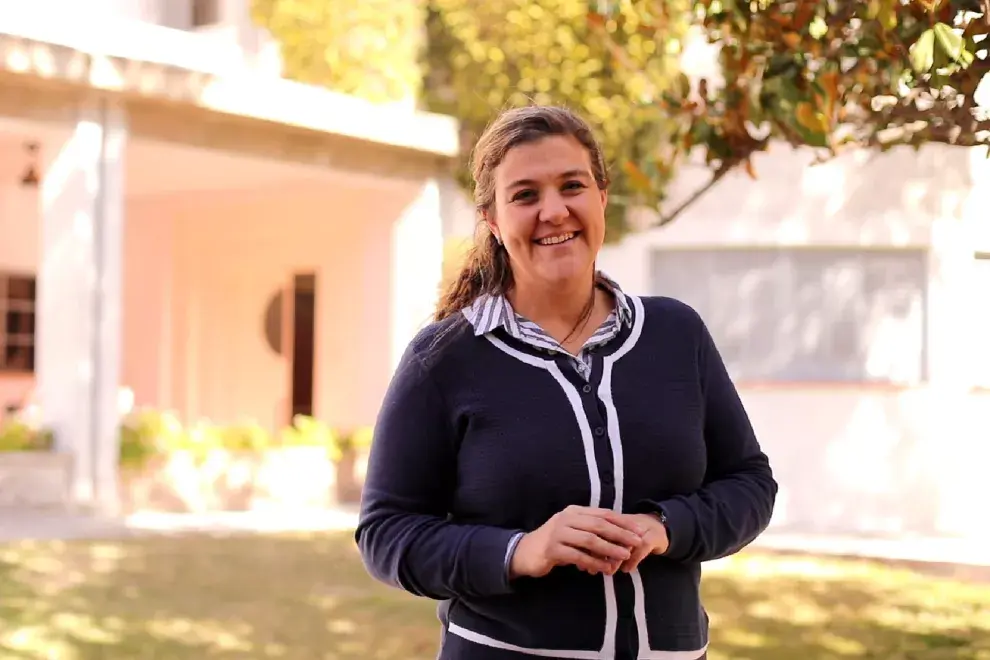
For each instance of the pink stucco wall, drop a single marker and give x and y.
(199, 271)
(18, 254)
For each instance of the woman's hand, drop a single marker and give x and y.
(654, 540)
(594, 540)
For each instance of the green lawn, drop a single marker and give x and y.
(307, 598)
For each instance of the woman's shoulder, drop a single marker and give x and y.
(671, 310)
(439, 339)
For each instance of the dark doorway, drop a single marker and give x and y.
(303, 343)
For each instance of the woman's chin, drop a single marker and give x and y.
(564, 274)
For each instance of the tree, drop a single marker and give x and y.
(830, 75)
(486, 56)
(368, 48)
(478, 58)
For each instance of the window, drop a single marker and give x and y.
(806, 314)
(17, 323)
(205, 12)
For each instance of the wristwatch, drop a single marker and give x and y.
(662, 517)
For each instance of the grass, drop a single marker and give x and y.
(307, 598)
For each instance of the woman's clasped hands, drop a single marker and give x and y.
(592, 539)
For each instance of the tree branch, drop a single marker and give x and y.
(717, 176)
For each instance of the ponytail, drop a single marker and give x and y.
(486, 271)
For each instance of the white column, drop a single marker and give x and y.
(79, 298)
(417, 267)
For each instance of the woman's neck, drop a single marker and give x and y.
(562, 305)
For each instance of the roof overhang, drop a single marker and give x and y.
(158, 66)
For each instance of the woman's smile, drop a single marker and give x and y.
(557, 239)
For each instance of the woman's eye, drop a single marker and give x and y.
(523, 196)
(573, 185)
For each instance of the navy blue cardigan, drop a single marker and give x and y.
(479, 438)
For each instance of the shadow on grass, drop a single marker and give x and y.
(308, 597)
(767, 607)
(204, 597)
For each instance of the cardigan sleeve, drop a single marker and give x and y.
(735, 503)
(403, 533)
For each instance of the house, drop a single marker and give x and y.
(179, 222)
(851, 303)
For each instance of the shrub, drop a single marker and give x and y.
(16, 435)
(307, 431)
(244, 437)
(352, 441)
(145, 434)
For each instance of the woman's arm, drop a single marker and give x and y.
(403, 533)
(736, 501)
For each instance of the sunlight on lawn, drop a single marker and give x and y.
(307, 597)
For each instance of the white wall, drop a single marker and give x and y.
(856, 458)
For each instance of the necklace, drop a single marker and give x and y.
(586, 312)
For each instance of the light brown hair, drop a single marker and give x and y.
(487, 270)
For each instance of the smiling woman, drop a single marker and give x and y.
(557, 468)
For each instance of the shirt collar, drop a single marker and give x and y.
(489, 312)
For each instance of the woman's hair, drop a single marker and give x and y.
(487, 270)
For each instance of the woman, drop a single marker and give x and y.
(554, 458)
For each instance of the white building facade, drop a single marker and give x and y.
(851, 303)
(178, 187)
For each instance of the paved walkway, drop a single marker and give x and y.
(911, 550)
(45, 525)
(20, 524)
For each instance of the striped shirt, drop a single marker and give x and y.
(488, 313)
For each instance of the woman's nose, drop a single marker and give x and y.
(553, 208)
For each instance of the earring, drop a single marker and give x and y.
(498, 239)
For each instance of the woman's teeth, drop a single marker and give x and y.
(555, 240)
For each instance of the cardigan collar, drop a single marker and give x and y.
(491, 312)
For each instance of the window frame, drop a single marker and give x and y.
(204, 13)
(7, 304)
(920, 252)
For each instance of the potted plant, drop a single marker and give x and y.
(350, 453)
(31, 472)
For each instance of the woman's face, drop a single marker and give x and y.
(549, 212)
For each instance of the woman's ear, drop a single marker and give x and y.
(492, 225)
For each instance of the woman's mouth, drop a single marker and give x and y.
(558, 239)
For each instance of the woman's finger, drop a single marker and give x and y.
(592, 543)
(607, 530)
(650, 543)
(622, 520)
(638, 555)
(565, 555)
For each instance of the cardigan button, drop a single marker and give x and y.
(599, 430)
(586, 389)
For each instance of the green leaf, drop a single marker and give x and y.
(887, 14)
(818, 28)
(923, 52)
(952, 44)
